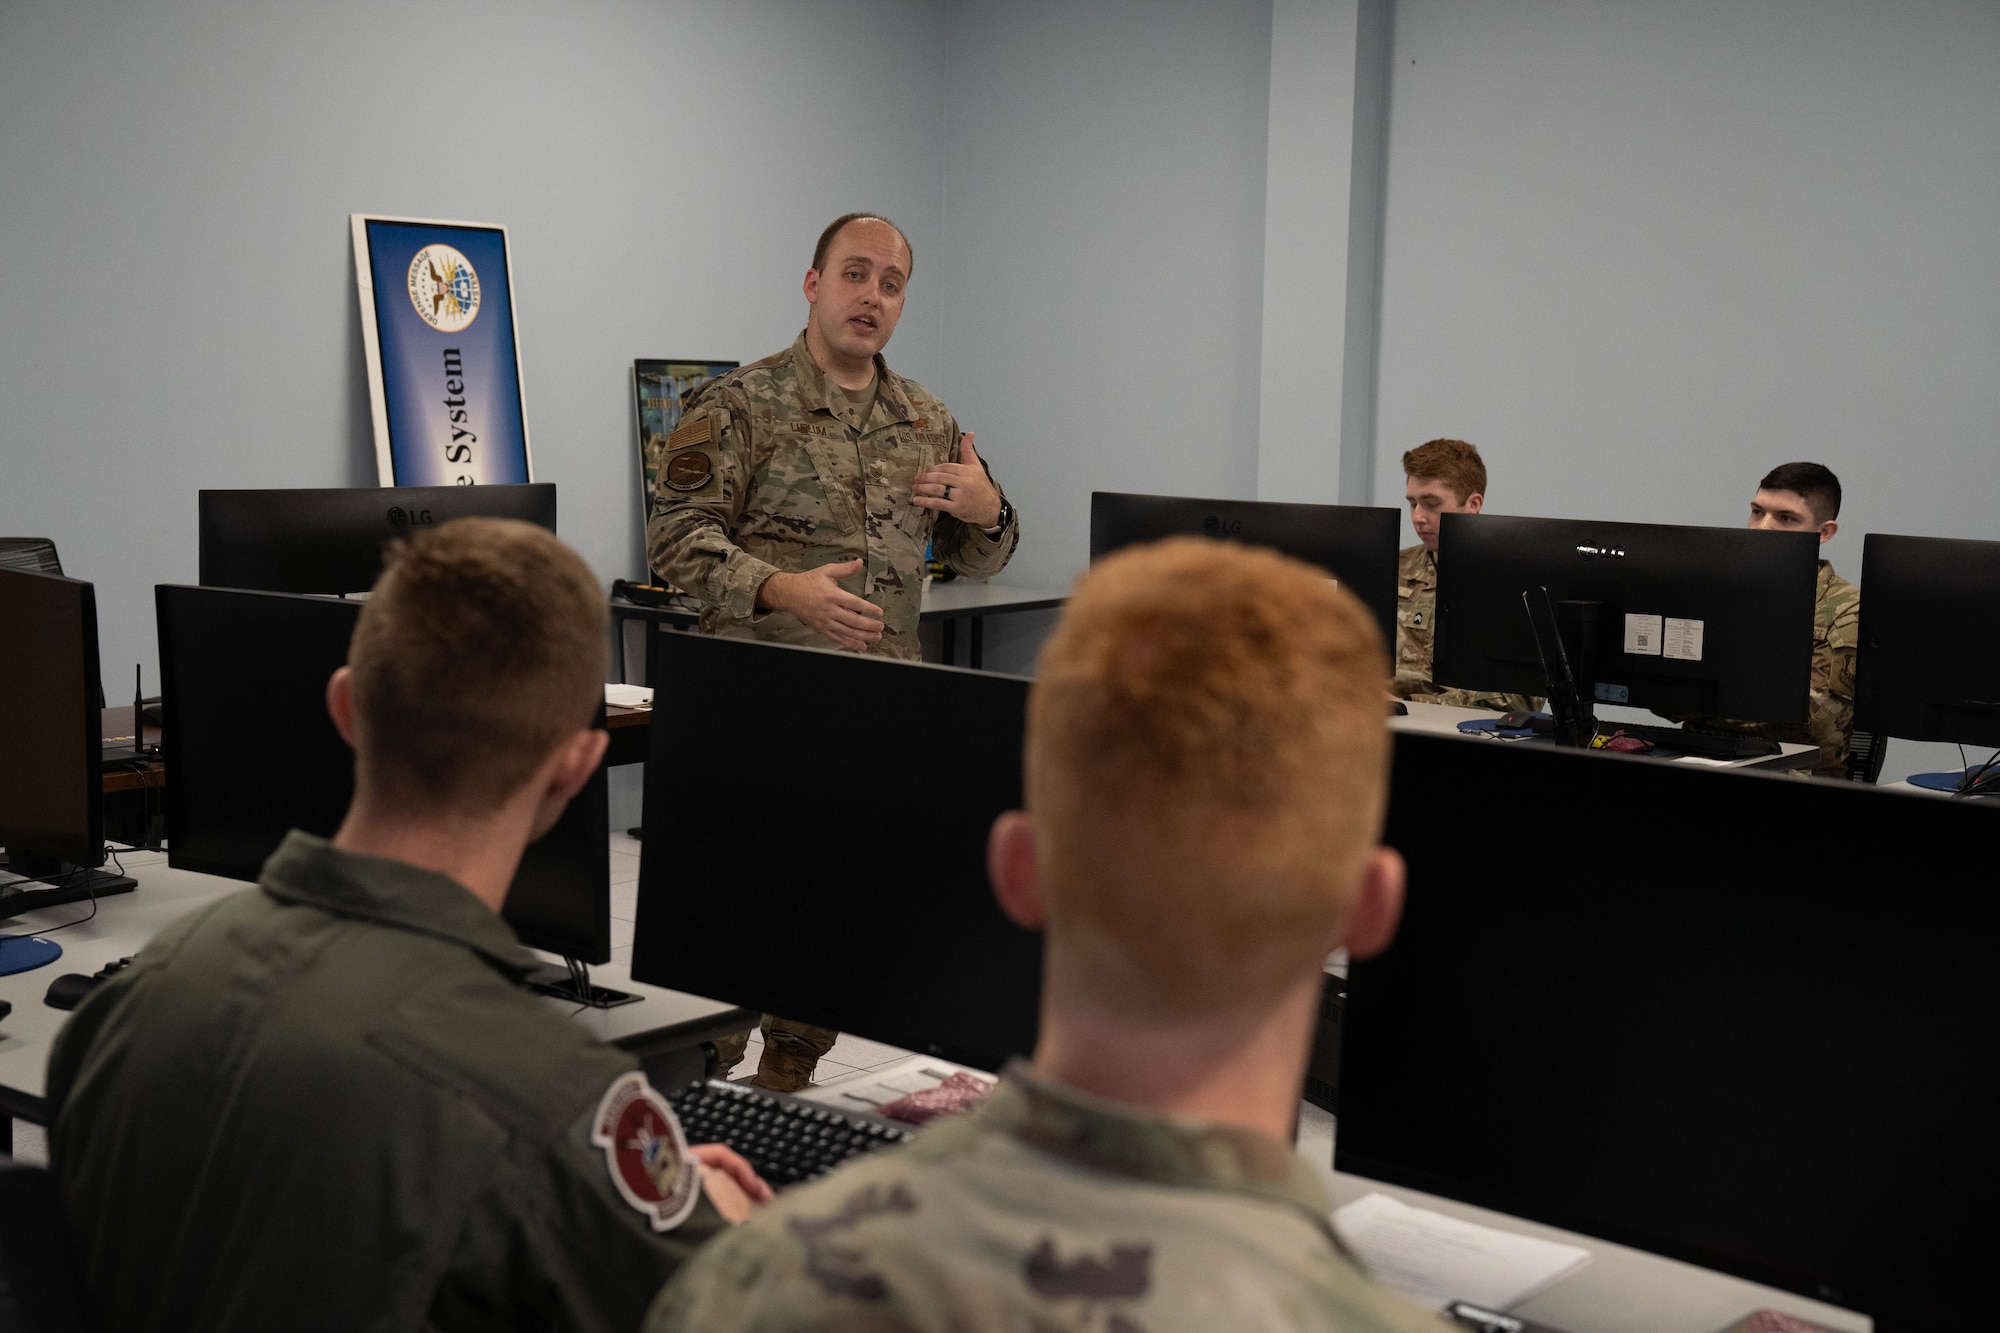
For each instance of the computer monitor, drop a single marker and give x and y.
(1675, 1036)
(809, 853)
(1928, 667)
(51, 739)
(1354, 543)
(1681, 620)
(255, 755)
(330, 540)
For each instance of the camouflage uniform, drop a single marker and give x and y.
(772, 470)
(1830, 710)
(1416, 631)
(1047, 1210)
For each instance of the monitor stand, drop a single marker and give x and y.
(1572, 628)
(47, 882)
(569, 982)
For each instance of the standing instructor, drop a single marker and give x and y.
(797, 496)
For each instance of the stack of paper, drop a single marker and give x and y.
(1436, 1259)
(628, 696)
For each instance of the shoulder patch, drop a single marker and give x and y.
(645, 1151)
(693, 431)
(689, 471)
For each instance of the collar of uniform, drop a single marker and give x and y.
(1123, 1140)
(312, 871)
(1826, 576)
(813, 396)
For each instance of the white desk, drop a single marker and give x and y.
(1622, 1290)
(1443, 720)
(661, 1020)
(974, 600)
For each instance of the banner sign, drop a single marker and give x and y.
(444, 364)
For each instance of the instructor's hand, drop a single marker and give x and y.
(961, 489)
(816, 598)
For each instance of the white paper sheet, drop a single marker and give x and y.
(1436, 1259)
(628, 696)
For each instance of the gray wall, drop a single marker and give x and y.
(1104, 204)
(177, 304)
(1640, 253)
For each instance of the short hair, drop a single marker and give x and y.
(833, 230)
(484, 644)
(1812, 482)
(1453, 462)
(1207, 762)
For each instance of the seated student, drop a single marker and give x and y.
(325, 1102)
(1805, 497)
(1206, 774)
(1440, 477)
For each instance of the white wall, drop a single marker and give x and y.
(1640, 253)
(1104, 203)
(177, 304)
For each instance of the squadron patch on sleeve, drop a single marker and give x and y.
(645, 1151)
(689, 471)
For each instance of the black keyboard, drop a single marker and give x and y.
(1707, 744)
(786, 1138)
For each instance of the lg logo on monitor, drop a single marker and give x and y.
(1217, 526)
(400, 517)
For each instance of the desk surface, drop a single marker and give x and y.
(125, 923)
(1622, 1290)
(952, 600)
(1443, 720)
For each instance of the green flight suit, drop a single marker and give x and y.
(326, 1103)
(1044, 1210)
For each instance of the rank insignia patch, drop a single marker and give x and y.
(645, 1152)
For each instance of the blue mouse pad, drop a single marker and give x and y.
(25, 953)
(1950, 780)
(1492, 724)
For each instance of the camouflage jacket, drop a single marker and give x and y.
(1416, 632)
(1047, 1211)
(769, 471)
(1830, 707)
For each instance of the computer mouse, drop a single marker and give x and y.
(67, 991)
(1515, 721)
(1397, 708)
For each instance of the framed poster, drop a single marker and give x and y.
(661, 389)
(444, 362)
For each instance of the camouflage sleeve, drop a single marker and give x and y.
(1830, 719)
(705, 474)
(729, 1287)
(968, 549)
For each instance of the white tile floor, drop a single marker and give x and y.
(849, 1054)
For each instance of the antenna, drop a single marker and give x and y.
(138, 709)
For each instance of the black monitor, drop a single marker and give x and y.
(808, 854)
(1668, 1037)
(51, 739)
(1354, 543)
(330, 540)
(1928, 668)
(255, 755)
(1681, 620)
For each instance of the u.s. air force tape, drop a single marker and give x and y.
(645, 1151)
(689, 471)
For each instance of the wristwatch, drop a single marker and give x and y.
(1006, 517)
